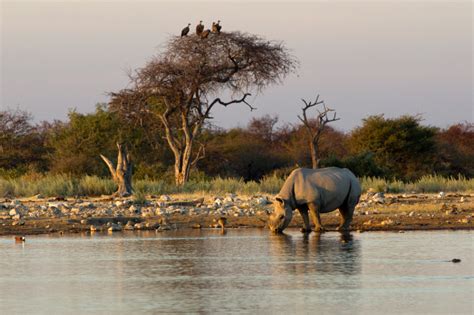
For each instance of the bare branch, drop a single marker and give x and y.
(110, 165)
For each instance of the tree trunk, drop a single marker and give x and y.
(314, 158)
(122, 174)
(182, 165)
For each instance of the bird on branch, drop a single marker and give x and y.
(199, 28)
(205, 34)
(185, 30)
(216, 28)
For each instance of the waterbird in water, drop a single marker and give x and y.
(20, 239)
(185, 30)
(456, 260)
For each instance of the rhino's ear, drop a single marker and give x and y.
(280, 201)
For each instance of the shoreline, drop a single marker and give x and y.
(375, 212)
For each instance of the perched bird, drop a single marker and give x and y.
(199, 28)
(205, 34)
(20, 239)
(218, 26)
(185, 30)
(214, 27)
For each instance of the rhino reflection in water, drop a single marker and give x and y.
(314, 192)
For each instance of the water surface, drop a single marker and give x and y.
(245, 270)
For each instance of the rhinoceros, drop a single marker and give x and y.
(316, 191)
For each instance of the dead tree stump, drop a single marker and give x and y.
(122, 174)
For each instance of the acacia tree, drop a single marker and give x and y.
(181, 85)
(315, 127)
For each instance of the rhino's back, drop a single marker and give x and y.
(328, 187)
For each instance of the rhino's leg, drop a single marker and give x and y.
(346, 212)
(314, 212)
(304, 214)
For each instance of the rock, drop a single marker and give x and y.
(378, 198)
(218, 202)
(441, 194)
(163, 228)
(93, 228)
(134, 209)
(411, 214)
(260, 201)
(462, 199)
(114, 228)
(465, 220)
(13, 212)
(152, 226)
(196, 226)
(368, 222)
(139, 226)
(18, 222)
(165, 198)
(83, 221)
(38, 196)
(387, 222)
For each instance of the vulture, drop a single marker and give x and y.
(205, 34)
(199, 28)
(185, 30)
(218, 27)
(214, 27)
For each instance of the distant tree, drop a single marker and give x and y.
(315, 127)
(455, 150)
(263, 127)
(401, 146)
(79, 142)
(293, 140)
(21, 143)
(248, 153)
(181, 86)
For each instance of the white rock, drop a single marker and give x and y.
(441, 194)
(218, 202)
(165, 198)
(13, 212)
(261, 201)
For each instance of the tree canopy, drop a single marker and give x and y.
(181, 85)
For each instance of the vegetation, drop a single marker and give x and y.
(68, 186)
(44, 157)
(181, 86)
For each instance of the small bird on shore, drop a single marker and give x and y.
(20, 239)
(185, 30)
(222, 222)
(199, 28)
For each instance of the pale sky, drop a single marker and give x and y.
(364, 58)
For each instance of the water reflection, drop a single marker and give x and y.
(203, 271)
(317, 253)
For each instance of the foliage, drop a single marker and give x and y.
(180, 86)
(21, 144)
(63, 185)
(455, 150)
(401, 146)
